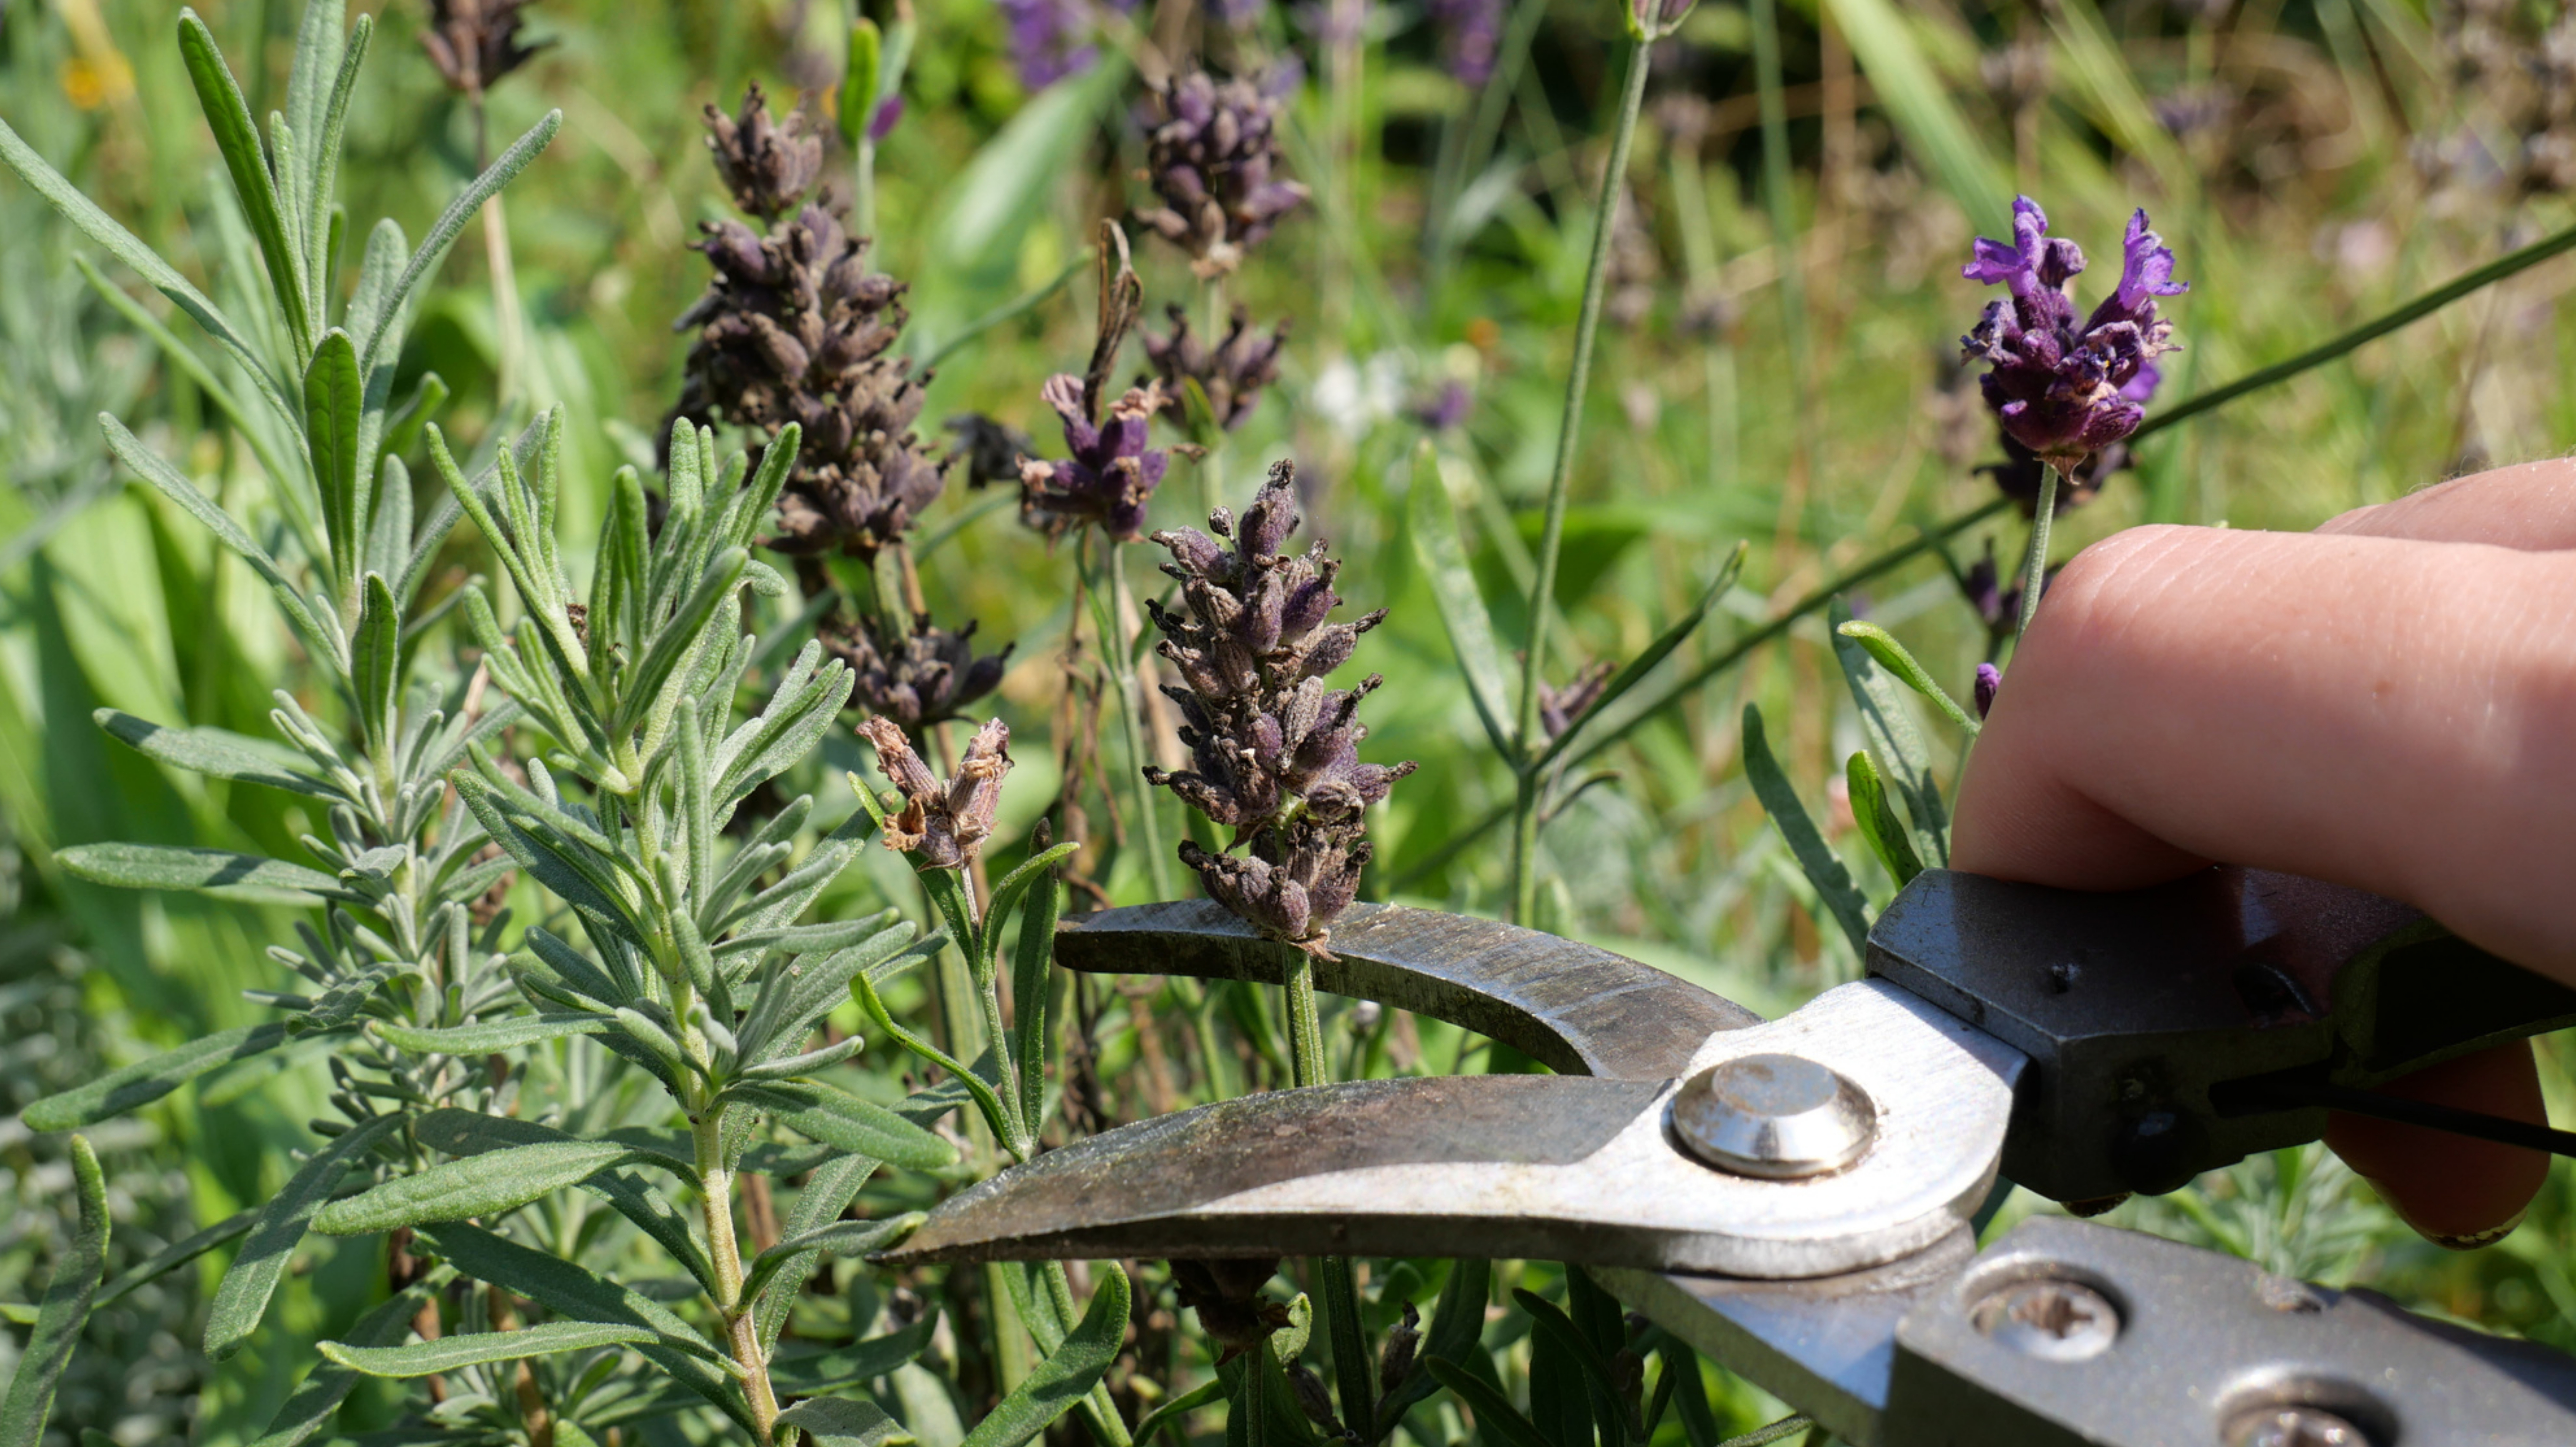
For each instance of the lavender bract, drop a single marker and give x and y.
(1230, 374)
(1111, 474)
(1274, 751)
(945, 822)
(1211, 161)
(2059, 388)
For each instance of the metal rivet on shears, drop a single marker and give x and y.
(1775, 1116)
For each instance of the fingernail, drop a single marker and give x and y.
(2474, 1240)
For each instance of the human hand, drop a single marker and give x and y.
(2388, 702)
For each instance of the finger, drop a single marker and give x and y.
(2385, 714)
(2531, 507)
(2458, 1192)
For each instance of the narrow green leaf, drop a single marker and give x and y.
(1433, 523)
(474, 1349)
(470, 1133)
(237, 138)
(844, 1121)
(1066, 1376)
(1893, 657)
(328, 130)
(798, 991)
(102, 228)
(859, 82)
(484, 1185)
(375, 663)
(864, 991)
(241, 1298)
(449, 225)
(1887, 721)
(174, 866)
(1032, 963)
(1681, 1368)
(1654, 653)
(142, 1083)
(1877, 822)
(64, 1311)
(841, 1422)
(1551, 1321)
(841, 1238)
(567, 1290)
(1457, 1324)
(1495, 1415)
(333, 398)
(316, 1404)
(827, 1194)
(217, 753)
(1171, 1412)
(811, 1372)
(678, 641)
(177, 1254)
(1824, 870)
(487, 1036)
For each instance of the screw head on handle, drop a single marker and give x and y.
(2051, 1318)
(1780, 1117)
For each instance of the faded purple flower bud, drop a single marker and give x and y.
(1274, 751)
(990, 448)
(1471, 33)
(1048, 39)
(918, 677)
(1989, 679)
(2059, 388)
(942, 825)
(1111, 473)
(1230, 375)
(882, 124)
(473, 43)
(767, 165)
(1559, 707)
(1211, 161)
(1395, 1361)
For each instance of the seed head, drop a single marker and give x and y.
(767, 165)
(918, 677)
(942, 825)
(1211, 161)
(1230, 374)
(2061, 389)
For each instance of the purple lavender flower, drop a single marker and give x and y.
(1989, 679)
(2060, 388)
(1049, 39)
(882, 124)
(1471, 31)
(1111, 474)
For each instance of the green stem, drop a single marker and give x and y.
(742, 1328)
(2034, 569)
(1552, 533)
(1131, 717)
(1008, 311)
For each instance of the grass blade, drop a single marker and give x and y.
(1066, 1376)
(241, 1299)
(474, 1349)
(1922, 110)
(1433, 524)
(64, 1311)
(1823, 868)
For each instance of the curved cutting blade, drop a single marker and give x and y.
(1578, 1009)
(1562, 1167)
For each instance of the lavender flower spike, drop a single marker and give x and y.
(1111, 474)
(2062, 389)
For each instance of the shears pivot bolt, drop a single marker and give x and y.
(1779, 1117)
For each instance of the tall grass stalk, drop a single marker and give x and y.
(1551, 539)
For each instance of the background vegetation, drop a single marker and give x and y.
(1776, 366)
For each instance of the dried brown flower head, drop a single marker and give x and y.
(474, 43)
(942, 825)
(916, 677)
(767, 165)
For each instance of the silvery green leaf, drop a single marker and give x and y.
(677, 640)
(490, 1035)
(781, 903)
(64, 1311)
(1066, 1376)
(375, 662)
(1032, 960)
(217, 753)
(451, 222)
(1894, 657)
(830, 1369)
(575, 967)
(569, 869)
(215, 871)
(237, 139)
(840, 1238)
(841, 1422)
(567, 1290)
(485, 1185)
(474, 1349)
(241, 1298)
(177, 1254)
(797, 991)
(1433, 524)
(471, 1133)
(805, 1064)
(316, 1404)
(328, 128)
(802, 939)
(142, 1083)
(1823, 868)
(389, 531)
(332, 401)
(837, 1118)
(829, 1189)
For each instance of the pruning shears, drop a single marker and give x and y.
(1799, 1197)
